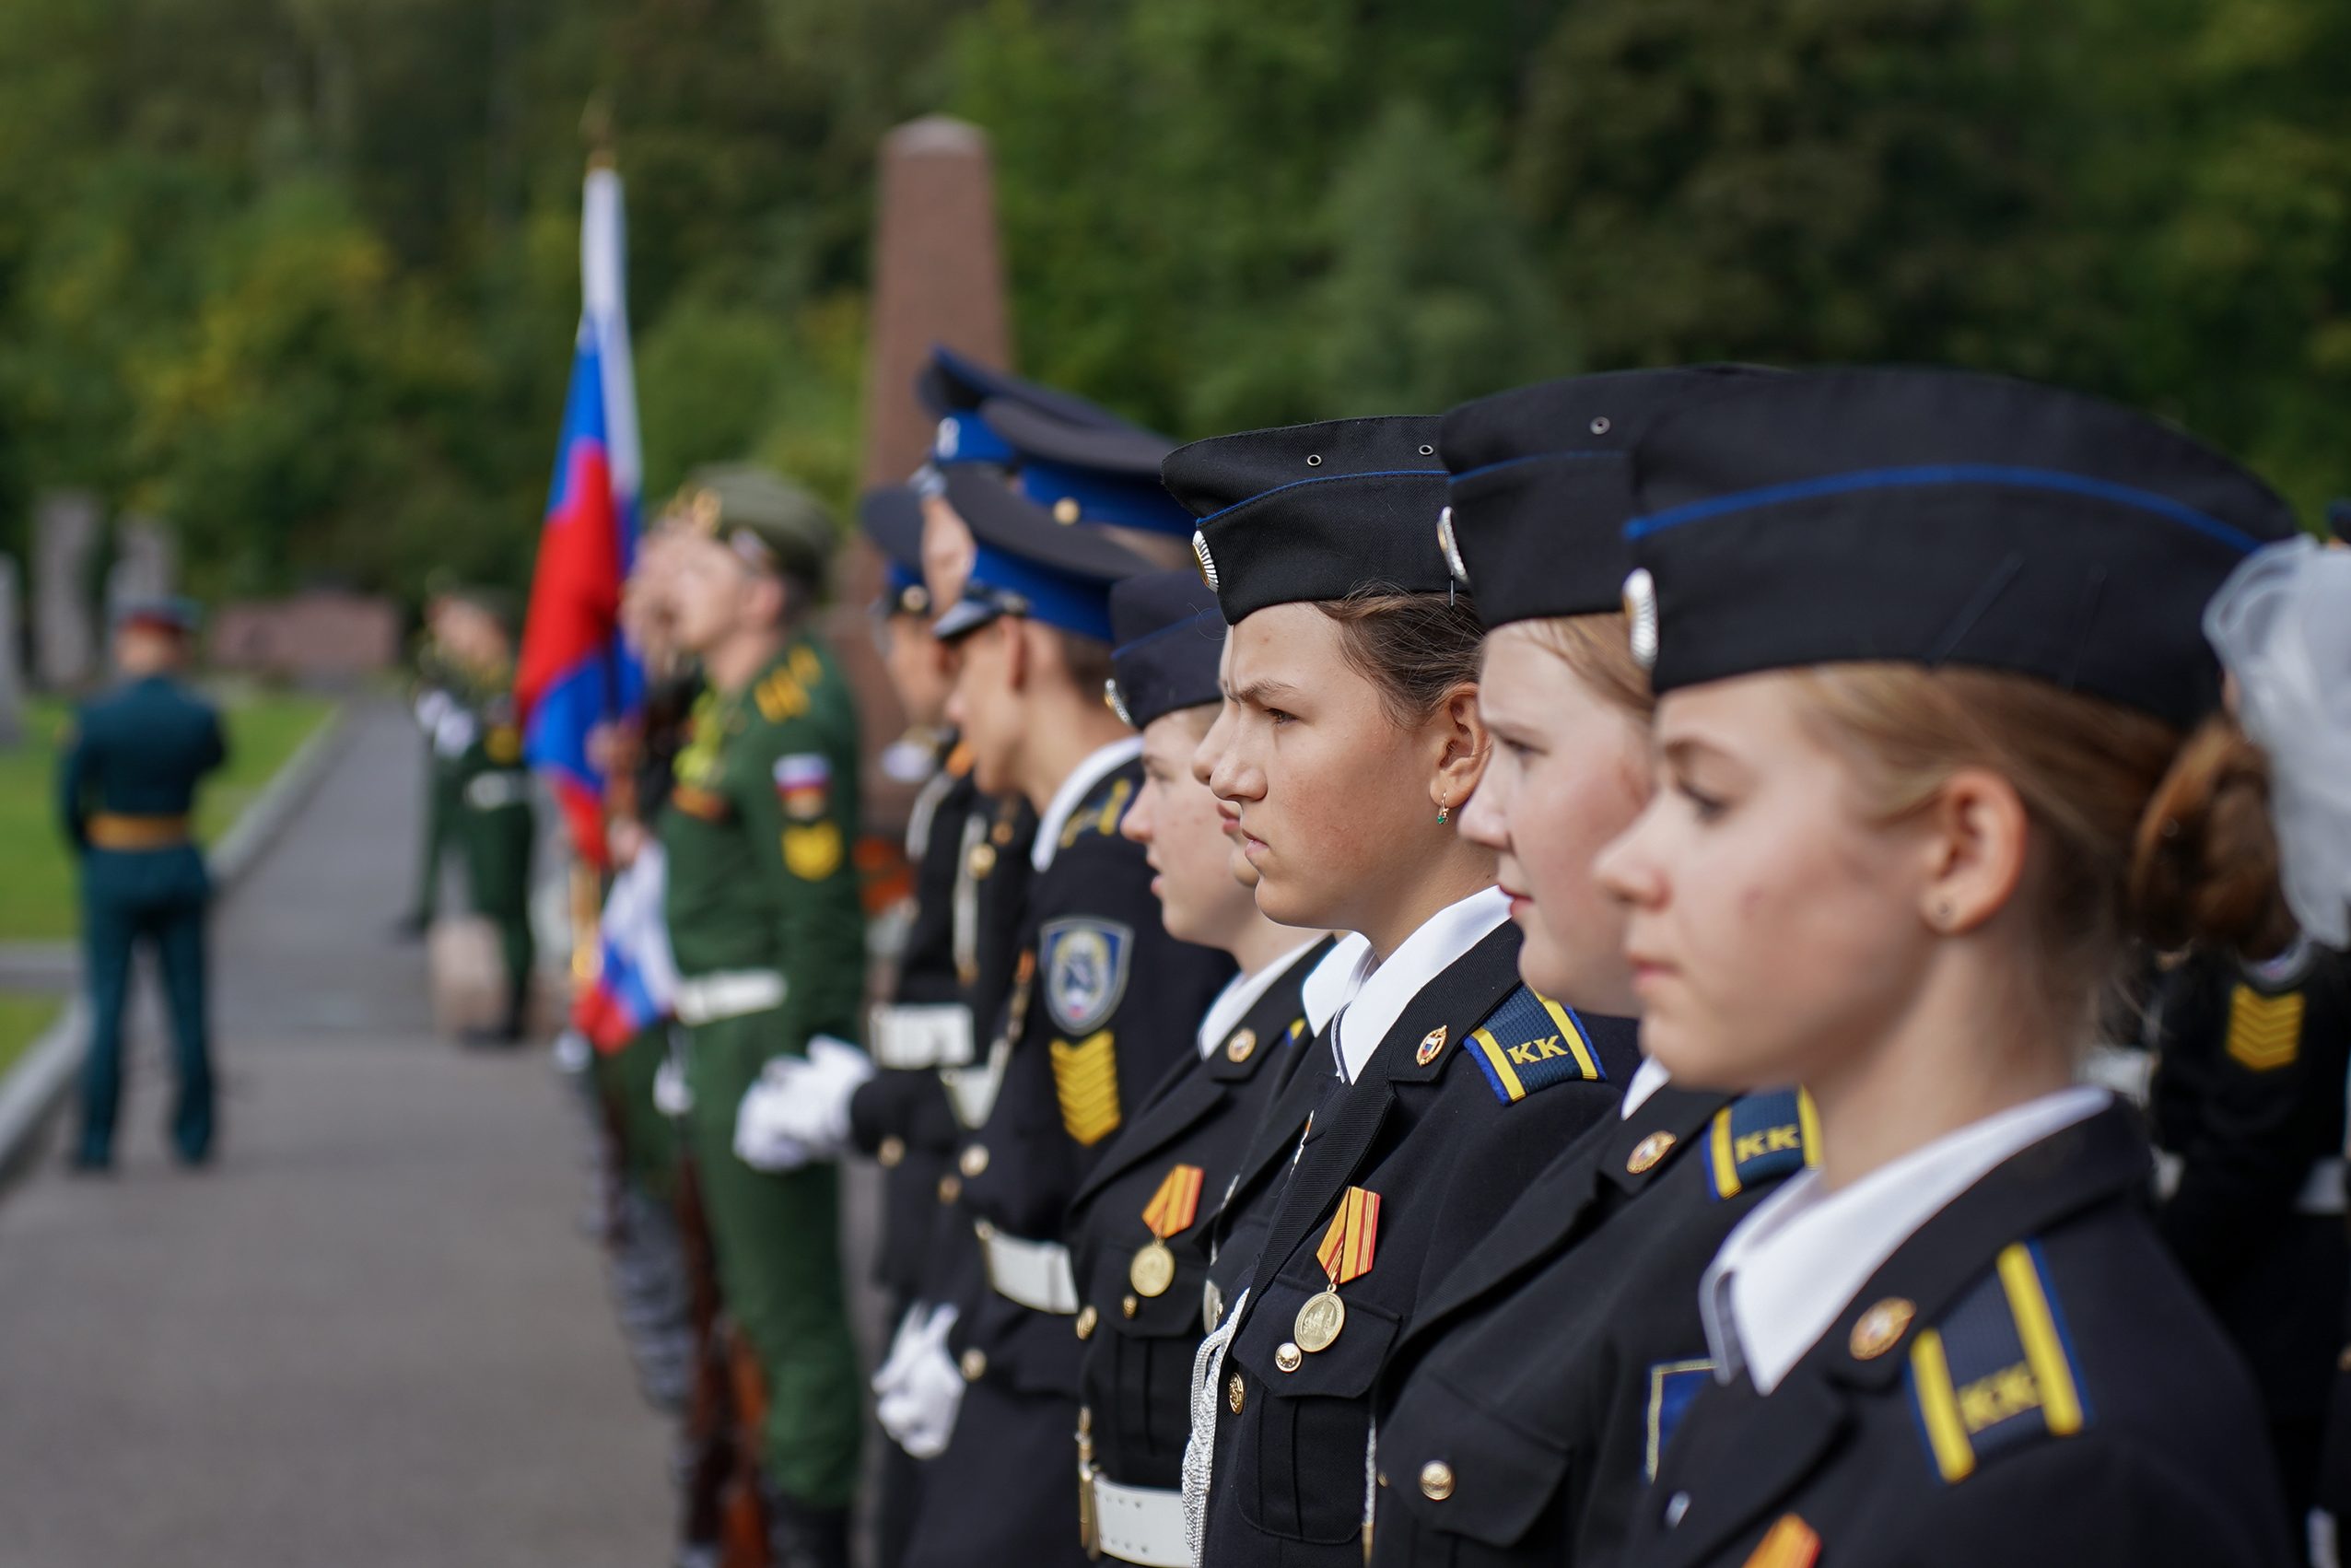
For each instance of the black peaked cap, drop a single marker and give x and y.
(954, 383)
(1542, 485)
(1938, 518)
(891, 517)
(1166, 635)
(1313, 512)
(1109, 449)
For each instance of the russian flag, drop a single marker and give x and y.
(636, 979)
(575, 673)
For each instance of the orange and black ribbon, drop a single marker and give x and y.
(1346, 1247)
(1173, 1207)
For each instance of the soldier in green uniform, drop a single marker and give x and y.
(495, 825)
(766, 924)
(126, 784)
(436, 696)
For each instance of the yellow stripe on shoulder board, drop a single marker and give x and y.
(1938, 1406)
(2264, 1032)
(1499, 1060)
(1571, 1036)
(1724, 1167)
(2053, 1371)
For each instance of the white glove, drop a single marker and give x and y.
(453, 731)
(807, 1099)
(671, 1096)
(891, 1374)
(764, 1123)
(920, 1414)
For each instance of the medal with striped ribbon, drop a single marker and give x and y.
(1345, 1254)
(1171, 1209)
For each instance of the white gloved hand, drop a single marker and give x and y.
(806, 1099)
(919, 1414)
(671, 1096)
(764, 1133)
(891, 1374)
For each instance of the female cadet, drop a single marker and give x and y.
(1522, 1413)
(1132, 1222)
(1936, 735)
(1353, 738)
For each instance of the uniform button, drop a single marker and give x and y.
(983, 860)
(1436, 1480)
(1087, 1319)
(951, 1187)
(1235, 1394)
(2343, 1362)
(973, 1161)
(974, 1364)
(1648, 1151)
(1676, 1506)
(892, 1154)
(983, 1230)
(1130, 1306)
(1241, 1044)
(1877, 1331)
(1287, 1356)
(1383, 1477)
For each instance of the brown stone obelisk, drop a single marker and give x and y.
(938, 278)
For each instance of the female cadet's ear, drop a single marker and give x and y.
(1463, 746)
(1977, 841)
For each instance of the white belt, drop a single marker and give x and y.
(908, 1037)
(488, 791)
(729, 993)
(1035, 1274)
(1140, 1524)
(2323, 1190)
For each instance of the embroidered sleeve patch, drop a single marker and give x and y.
(504, 744)
(804, 784)
(1085, 1080)
(780, 696)
(1083, 962)
(1531, 1042)
(2264, 1032)
(1760, 1137)
(1672, 1385)
(1997, 1371)
(812, 852)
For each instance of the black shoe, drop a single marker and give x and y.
(800, 1536)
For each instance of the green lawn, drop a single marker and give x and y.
(22, 1018)
(37, 900)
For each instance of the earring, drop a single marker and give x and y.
(1440, 811)
(1942, 913)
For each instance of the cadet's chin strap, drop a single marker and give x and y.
(1200, 1448)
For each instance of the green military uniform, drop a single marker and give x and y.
(439, 695)
(496, 830)
(126, 784)
(765, 922)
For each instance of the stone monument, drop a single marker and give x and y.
(66, 538)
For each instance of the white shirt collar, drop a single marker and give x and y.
(1792, 1267)
(1241, 993)
(1381, 995)
(1647, 1078)
(1332, 985)
(1084, 777)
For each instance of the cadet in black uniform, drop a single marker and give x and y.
(1134, 1222)
(1445, 1084)
(1102, 1004)
(2248, 1101)
(1523, 1409)
(1927, 653)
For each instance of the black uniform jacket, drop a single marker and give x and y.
(901, 1117)
(2247, 1096)
(1138, 1364)
(1523, 1410)
(1103, 1004)
(1448, 1141)
(2027, 1380)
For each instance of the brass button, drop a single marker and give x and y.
(1383, 1477)
(1242, 1046)
(1877, 1331)
(1066, 511)
(1287, 1356)
(892, 1154)
(1648, 1151)
(951, 1187)
(1130, 1306)
(1087, 1319)
(1436, 1480)
(975, 1364)
(1001, 833)
(1235, 1394)
(983, 1230)
(2343, 1362)
(973, 1161)
(983, 860)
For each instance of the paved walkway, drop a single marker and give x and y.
(373, 1336)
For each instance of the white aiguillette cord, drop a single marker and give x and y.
(1200, 1448)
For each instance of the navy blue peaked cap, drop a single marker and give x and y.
(1166, 635)
(1315, 512)
(1089, 472)
(1938, 518)
(1026, 564)
(957, 388)
(891, 518)
(1542, 485)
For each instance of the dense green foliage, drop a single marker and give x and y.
(301, 275)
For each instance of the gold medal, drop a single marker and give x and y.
(1319, 1321)
(1153, 1271)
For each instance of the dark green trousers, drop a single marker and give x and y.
(499, 842)
(158, 896)
(777, 1239)
(444, 800)
(647, 1152)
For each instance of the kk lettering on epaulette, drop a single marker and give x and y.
(1762, 1137)
(1997, 1371)
(1531, 1042)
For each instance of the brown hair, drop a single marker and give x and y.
(1597, 650)
(1415, 647)
(2146, 835)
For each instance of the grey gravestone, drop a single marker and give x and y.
(12, 675)
(65, 530)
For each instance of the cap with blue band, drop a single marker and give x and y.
(1024, 564)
